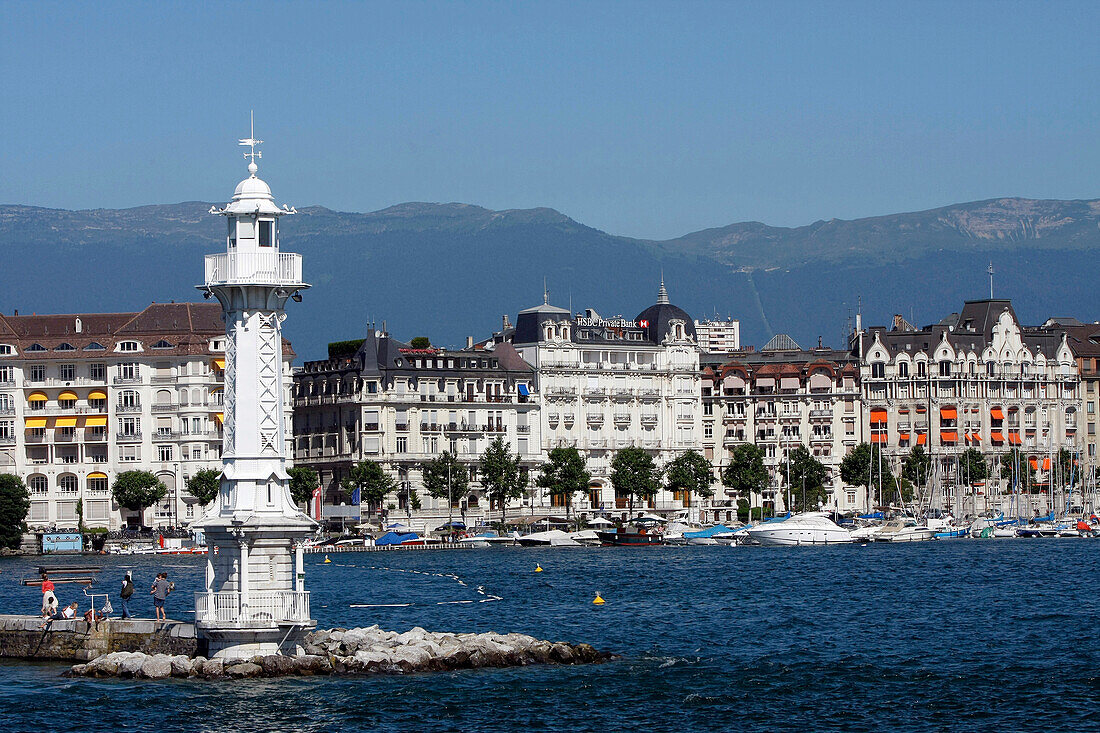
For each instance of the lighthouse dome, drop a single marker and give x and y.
(253, 196)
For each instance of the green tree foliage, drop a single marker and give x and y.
(863, 467)
(690, 471)
(972, 466)
(501, 475)
(634, 473)
(421, 342)
(564, 474)
(372, 481)
(14, 505)
(138, 490)
(807, 479)
(303, 482)
(1016, 468)
(917, 466)
(746, 473)
(445, 477)
(1068, 472)
(205, 485)
(344, 349)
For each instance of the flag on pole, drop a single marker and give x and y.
(317, 503)
(355, 496)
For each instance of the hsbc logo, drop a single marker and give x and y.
(643, 323)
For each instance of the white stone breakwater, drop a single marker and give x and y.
(370, 650)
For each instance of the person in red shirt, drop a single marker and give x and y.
(47, 584)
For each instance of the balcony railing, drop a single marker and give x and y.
(165, 407)
(128, 437)
(262, 609)
(127, 408)
(262, 267)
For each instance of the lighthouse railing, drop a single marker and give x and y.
(277, 268)
(260, 608)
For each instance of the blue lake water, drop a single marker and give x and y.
(961, 635)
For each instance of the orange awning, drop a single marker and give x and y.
(65, 422)
(997, 413)
(96, 421)
(1034, 463)
(37, 397)
(903, 436)
(1014, 438)
(97, 395)
(67, 395)
(976, 437)
(949, 413)
(219, 364)
(34, 422)
(878, 416)
(922, 438)
(949, 436)
(997, 437)
(878, 437)
(1046, 464)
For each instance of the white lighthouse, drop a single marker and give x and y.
(255, 600)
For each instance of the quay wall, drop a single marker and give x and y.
(74, 641)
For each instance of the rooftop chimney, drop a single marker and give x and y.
(470, 341)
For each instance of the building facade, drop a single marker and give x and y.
(718, 336)
(612, 383)
(84, 397)
(779, 400)
(977, 379)
(398, 405)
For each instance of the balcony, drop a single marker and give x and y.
(127, 408)
(7, 410)
(622, 418)
(523, 429)
(595, 417)
(261, 609)
(170, 407)
(126, 380)
(90, 437)
(128, 437)
(594, 394)
(649, 395)
(649, 419)
(430, 427)
(268, 268)
(7, 440)
(162, 380)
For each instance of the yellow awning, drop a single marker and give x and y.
(99, 421)
(97, 474)
(67, 395)
(220, 417)
(35, 422)
(37, 397)
(97, 395)
(65, 422)
(219, 363)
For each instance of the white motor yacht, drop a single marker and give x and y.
(904, 530)
(810, 528)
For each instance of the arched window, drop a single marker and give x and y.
(903, 369)
(68, 484)
(38, 484)
(128, 398)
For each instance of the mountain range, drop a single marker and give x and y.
(450, 270)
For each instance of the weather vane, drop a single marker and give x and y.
(251, 142)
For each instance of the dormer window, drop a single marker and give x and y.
(128, 346)
(64, 347)
(36, 347)
(6, 350)
(267, 233)
(95, 346)
(162, 344)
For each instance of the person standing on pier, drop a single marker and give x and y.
(49, 598)
(125, 593)
(160, 590)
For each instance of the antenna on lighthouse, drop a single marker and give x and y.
(251, 142)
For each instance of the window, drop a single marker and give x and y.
(6, 350)
(945, 369)
(878, 370)
(129, 426)
(67, 372)
(128, 398)
(97, 485)
(129, 453)
(162, 344)
(38, 485)
(128, 346)
(164, 452)
(64, 347)
(402, 445)
(95, 346)
(128, 371)
(7, 374)
(903, 369)
(97, 372)
(36, 347)
(266, 237)
(68, 484)
(921, 369)
(38, 373)
(232, 233)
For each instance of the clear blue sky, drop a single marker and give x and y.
(643, 119)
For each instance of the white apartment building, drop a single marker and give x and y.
(610, 383)
(718, 336)
(779, 400)
(977, 379)
(398, 405)
(84, 397)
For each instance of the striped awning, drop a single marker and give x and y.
(67, 395)
(949, 413)
(220, 417)
(65, 422)
(96, 421)
(218, 363)
(878, 416)
(949, 436)
(35, 422)
(997, 413)
(1014, 438)
(97, 474)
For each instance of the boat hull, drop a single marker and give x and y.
(797, 537)
(629, 539)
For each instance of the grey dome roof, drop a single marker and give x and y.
(659, 316)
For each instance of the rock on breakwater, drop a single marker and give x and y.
(369, 650)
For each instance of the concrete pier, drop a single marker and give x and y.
(74, 641)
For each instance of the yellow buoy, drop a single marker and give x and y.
(599, 601)
(538, 568)
(326, 559)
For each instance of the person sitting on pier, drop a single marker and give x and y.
(70, 611)
(91, 616)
